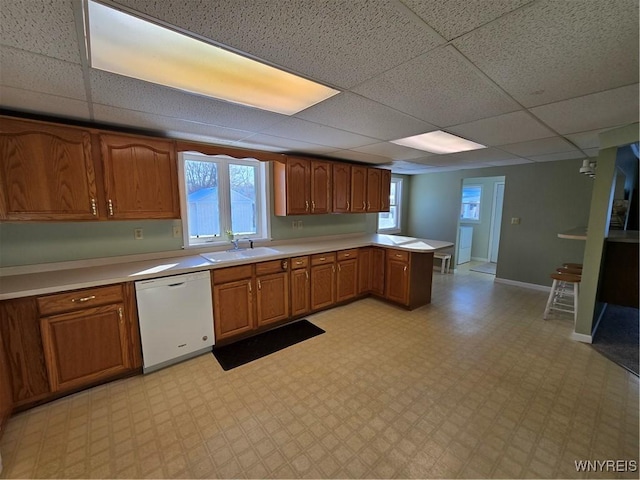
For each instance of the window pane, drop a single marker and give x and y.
(388, 220)
(392, 194)
(202, 198)
(242, 180)
(470, 209)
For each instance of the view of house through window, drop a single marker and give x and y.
(389, 222)
(471, 195)
(222, 194)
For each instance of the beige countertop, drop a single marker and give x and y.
(40, 280)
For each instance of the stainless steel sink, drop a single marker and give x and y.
(239, 254)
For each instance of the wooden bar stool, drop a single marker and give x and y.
(564, 294)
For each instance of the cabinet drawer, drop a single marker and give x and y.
(79, 299)
(322, 258)
(299, 262)
(272, 266)
(400, 255)
(232, 274)
(347, 254)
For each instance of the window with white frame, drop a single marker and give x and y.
(389, 222)
(222, 198)
(471, 197)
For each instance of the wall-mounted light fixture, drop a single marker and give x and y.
(588, 167)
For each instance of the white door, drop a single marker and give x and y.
(496, 221)
(464, 244)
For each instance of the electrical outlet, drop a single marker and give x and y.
(294, 224)
(515, 221)
(176, 231)
(299, 224)
(137, 234)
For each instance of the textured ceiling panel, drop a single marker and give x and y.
(356, 114)
(590, 139)
(278, 144)
(512, 161)
(553, 50)
(554, 157)
(29, 71)
(539, 147)
(45, 27)
(483, 155)
(341, 43)
(297, 129)
(34, 102)
(170, 126)
(360, 157)
(391, 150)
(452, 18)
(438, 87)
(600, 110)
(408, 168)
(123, 92)
(504, 129)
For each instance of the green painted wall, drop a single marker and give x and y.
(548, 198)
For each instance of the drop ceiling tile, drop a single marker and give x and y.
(592, 152)
(47, 28)
(512, 161)
(479, 156)
(357, 114)
(391, 150)
(409, 168)
(554, 157)
(539, 147)
(132, 94)
(170, 126)
(452, 18)
(553, 50)
(306, 37)
(44, 104)
(439, 87)
(590, 139)
(297, 129)
(503, 129)
(360, 157)
(280, 144)
(597, 111)
(29, 71)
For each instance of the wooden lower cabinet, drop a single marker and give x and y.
(85, 346)
(233, 308)
(378, 256)
(323, 285)
(300, 286)
(272, 298)
(397, 281)
(408, 277)
(347, 275)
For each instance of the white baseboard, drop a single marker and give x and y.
(581, 337)
(479, 259)
(515, 283)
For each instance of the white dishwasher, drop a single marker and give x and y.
(176, 318)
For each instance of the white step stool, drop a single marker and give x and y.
(445, 261)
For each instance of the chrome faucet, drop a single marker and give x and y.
(235, 244)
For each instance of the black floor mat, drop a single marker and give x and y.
(617, 336)
(249, 349)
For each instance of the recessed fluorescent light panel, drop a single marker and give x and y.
(439, 142)
(127, 45)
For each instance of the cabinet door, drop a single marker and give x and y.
(85, 346)
(385, 189)
(347, 279)
(141, 177)
(20, 328)
(272, 298)
(358, 189)
(341, 188)
(397, 281)
(364, 270)
(377, 271)
(322, 286)
(300, 292)
(320, 187)
(233, 308)
(373, 189)
(46, 172)
(298, 186)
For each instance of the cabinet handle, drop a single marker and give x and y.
(313, 206)
(259, 285)
(306, 205)
(348, 205)
(120, 315)
(364, 206)
(347, 254)
(94, 209)
(404, 269)
(306, 273)
(250, 289)
(322, 259)
(398, 255)
(110, 207)
(298, 262)
(83, 299)
(333, 268)
(339, 268)
(285, 265)
(368, 205)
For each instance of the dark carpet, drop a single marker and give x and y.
(258, 346)
(617, 336)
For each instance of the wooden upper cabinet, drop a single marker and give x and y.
(358, 189)
(385, 189)
(46, 172)
(140, 177)
(374, 178)
(341, 187)
(320, 187)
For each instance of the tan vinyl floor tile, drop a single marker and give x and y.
(474, 385)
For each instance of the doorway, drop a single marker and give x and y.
(496, 221)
